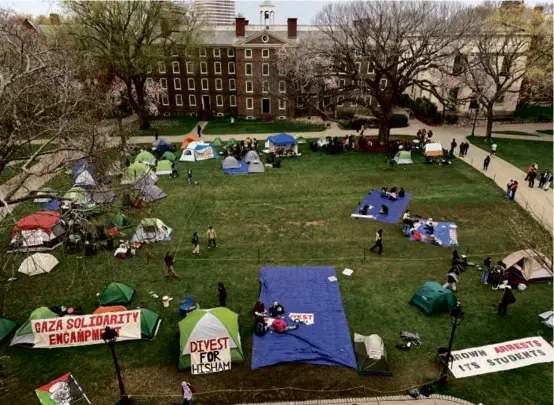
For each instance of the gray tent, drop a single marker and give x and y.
(371, 355)
(103, 195)
(256, 167)
(230, 163)
(151, 193)
(251, 156)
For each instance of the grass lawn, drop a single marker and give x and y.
(223, 127)
(520, 152)
(545, 131)
(170, 126)
(296, 215)
(513, 133)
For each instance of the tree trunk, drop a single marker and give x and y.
(141, 111)
(384, 128)
(489, 122)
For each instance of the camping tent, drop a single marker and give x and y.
(38, 263)
(6, 327)
(217, 142)
(403, 157)
(146, 158)
(251, 156)
(120, 221)
(231, 142)
(84, 179)
(206, 324)
(169, 156)
(138, 171)
(149, 323)
(281, 141)
(371, 355)
(116, 293)
(102, 195)
(198, 151)
(109, 309)
(188, 139)
(163, 167)
(161, 146)
(24, 335)
(433, 298)
(433, 149)
(39, 231)
(151, 230)
(300, 139)
(256, 167)
(150, 192)
(81, 166)
(321, 142)
(533, 266)
(230, 162)
(78, 195)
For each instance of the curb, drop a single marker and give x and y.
(372, 400)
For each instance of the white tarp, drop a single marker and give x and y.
(500, 357)
(38, 263)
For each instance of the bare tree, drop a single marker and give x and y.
(131, 38)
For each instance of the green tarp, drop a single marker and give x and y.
(120, 221)
(433, 298)
(116, 293)
(6, 327)
(149, 321)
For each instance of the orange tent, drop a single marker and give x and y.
(188, 139)
(113, 308)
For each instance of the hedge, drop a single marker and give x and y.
(397, 121)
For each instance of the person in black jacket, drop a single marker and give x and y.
(378, 241)
(277, 310)
(507, 299)
(196, 243)
(222, 294)
(168, 259)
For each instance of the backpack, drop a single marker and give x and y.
(259, 328)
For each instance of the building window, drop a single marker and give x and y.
(265, 53)
(232, 84)
(231, 68)
(368, 101)
(265, 86)
(163, 83)
(299, 102)
(204, 68)
(219, 100)
(265, 69)
(190, 68)
(249, 86)
(188, 52)
(339, 101)
(248, 69)
(459, 64)
(358, 67)
(342, 83)
(161, 67)
(453, 94)
(192, 100)
(191, 83)
(177, 83)
(282, 104)
(233, 101)
(370, 70)
(179, 99)
(202, 52)
(165, 99)
(217, 53)
(204, 84)
(249, 103)
(149, 81)
(265, 38)
(218, 84)
(175, 66)
(248, 53)
(230, 53)
(282, 86)
(217, 68)
(383, 83)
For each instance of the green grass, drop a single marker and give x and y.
(520, 152)
(513, 133)
(224, 127)
(170, 126)
(296, 215)
(545, 131)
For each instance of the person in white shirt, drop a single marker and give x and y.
(406, 222)
(188, 390)
(493, 149)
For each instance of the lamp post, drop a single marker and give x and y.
(456, 317)
(110, 336)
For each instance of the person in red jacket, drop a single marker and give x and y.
(514, 189)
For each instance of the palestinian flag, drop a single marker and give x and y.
(62, 391)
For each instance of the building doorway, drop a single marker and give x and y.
(266, 106)
(206, 103)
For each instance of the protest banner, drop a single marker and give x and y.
(307, 319)
(210, 355)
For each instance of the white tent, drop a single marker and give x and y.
(251, 156)
(256, 167)
(433, 149)
(196, 151)
(230, 163)
(84, 179)
(38, 263)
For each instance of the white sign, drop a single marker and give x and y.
(307, 319)
(210, 355)
(84, 330)
(500, 357)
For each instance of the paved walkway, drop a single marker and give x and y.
(434, 399)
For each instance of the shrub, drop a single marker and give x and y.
(345, 114)
(404, 100)
(451, 119)
(534, 113)
(399, 120)
(425, 110)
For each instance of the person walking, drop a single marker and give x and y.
(494, 146)
(199, 131)
(174, 172)
(514, 189)
(466, 147)
(461, 152)
(509, 188)
(222, 294)
(547, 182)
(532, 179)
(451, 280)
(486, 162)
(542, 178)
(211, 237)
(168, 259)
(378, 242)
(189, 176)
(529, 171)
(196, 243)
(507, 299)
(453, 145)
(187, 390)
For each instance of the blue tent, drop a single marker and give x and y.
(52, 205)
(282, 139)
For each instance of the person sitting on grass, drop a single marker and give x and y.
(364, 210)
(406, 223)
(384, 210)
(277, 310)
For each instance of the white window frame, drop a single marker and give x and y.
(284, 83)
(358, 67)
(246, 65)
(165, 99)
(251, 83)
(163, 83)
(234, 86)
(340, 101)
(370, 69)
(246, 52)
(251, 103)
(177, 83)
(174, 64)
(204, 71)
(179, 97)
(161, 67)
(230, 52)
(232, 100)
(381, 86)
(219, 98)
(191, 70)
(192, 100)
(342, 83)
(265, 53)
(216, 64)
(265, 65)
(231, 68)
(282, 104)
(299, 104)
(189, 81)
(203, 53)
(217, 52)
(202, 81)
(265, 86)
(220, 82)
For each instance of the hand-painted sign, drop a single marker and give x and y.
(210, 355)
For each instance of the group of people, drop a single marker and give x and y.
(422, 133)
(545, 178)
(464, 146)
(239, 149)
(459, 264)
(276, 322)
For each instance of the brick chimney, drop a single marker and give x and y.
(240, 26)
(291, 28)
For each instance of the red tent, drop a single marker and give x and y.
(38, 231)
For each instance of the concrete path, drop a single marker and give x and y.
(434, 399)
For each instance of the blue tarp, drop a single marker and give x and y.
(243, 169)
(52, 205)
(282, 139)
(445, 232)
(304, 290)
(374, 200)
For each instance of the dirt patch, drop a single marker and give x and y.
(294, 223)
(315, 223)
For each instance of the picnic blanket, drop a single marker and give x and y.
(444, 234)
(374, 200)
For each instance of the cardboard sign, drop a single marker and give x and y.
(84, 330)
(500, 357)
(307, 319)
(64, 390)
(210, 355)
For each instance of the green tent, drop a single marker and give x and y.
(434, 298)
(120, 221)
(169, 156)
(78, 195)
(300, 139)
(371, 355)
(403, 157)
(146, 158)
(149, 323)
(231, 142)
(205, 324)
(134, 173)
(6, 327)
(163, 167)
(217, 142)
(116, 293)
(24, 335)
